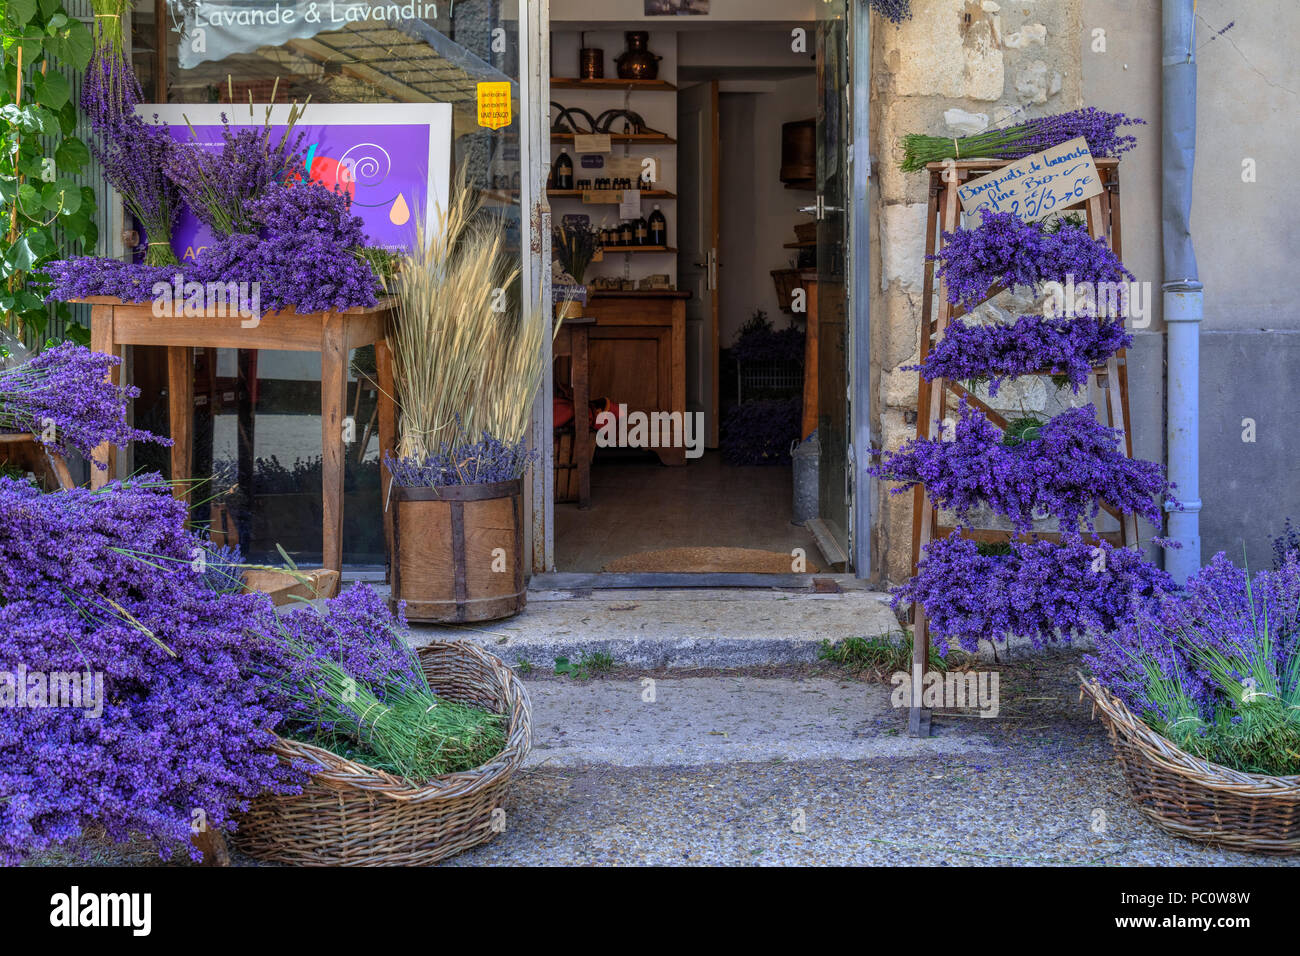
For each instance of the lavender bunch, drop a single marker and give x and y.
(104, 582)
(220, 186)
(896, 11)
(1070, 348)
(462, 462)
(1040, 589)
(289, 209)
(303, 255)
(1099, 128)
(1005, 249)
(84, 276)
(67, 387)
(352, 684)
(110, 90)
(134, 155)
(1072, 466)
(1216, 667)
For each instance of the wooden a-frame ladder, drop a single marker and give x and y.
(1108, 384)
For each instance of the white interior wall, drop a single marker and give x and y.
(758, 213)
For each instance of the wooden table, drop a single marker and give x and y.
(572, 340)
(638, 353)
(115, 324)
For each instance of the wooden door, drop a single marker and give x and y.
(697, 241)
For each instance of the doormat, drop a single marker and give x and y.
(709, 560)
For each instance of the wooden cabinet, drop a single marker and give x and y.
(637, 354)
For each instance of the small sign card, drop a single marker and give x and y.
(591, 143)
(1035, 186)
(605, 196)
(630, 206)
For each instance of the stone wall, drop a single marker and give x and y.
(957, 67)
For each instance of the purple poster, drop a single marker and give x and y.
(394, 160)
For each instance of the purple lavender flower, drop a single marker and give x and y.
(1004, 249)
(1071, 468)
(462, 462)
(1222, 609)
(1099, 128)
(895, 11)
(1067, 347)
(219, 186)
(67, 387)
(105, 582)
(1041, 590)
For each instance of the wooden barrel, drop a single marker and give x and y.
(799, 151)
(458, 552)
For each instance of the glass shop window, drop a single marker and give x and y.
(257, 414)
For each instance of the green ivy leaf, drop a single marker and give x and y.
(71, 155)
(53, 23)
(41, 243)
(22, 11)
(29, 198)
(52, 89)
(18, 258)
(79, 334)
(49, 7)
(73, 45)
(25, 300)
(74, 223)
(68, 118)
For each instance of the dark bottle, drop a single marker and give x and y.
(626, 235)
(658, 228)
(642, 232)
(563, 172)
(604, 236)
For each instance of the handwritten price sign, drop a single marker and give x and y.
(1035, 186)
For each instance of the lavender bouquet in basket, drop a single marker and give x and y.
(64, 398)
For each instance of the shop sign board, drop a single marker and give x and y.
(393, 159)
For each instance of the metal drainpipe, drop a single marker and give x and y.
(1183, 298)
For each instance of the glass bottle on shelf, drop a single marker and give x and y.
(642, 232)
(658, 228)
(626, 236)
(563, 172)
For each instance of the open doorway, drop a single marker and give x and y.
(709, 317)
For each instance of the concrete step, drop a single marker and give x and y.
(678, 628)
(723, 719)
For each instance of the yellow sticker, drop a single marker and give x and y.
(494, 105)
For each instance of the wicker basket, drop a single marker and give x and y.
(1195, 798)
(352, 815)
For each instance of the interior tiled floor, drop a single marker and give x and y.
(637, 504)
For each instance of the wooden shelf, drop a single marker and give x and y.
(643, 138)
(577, 193)
(801, 245)
(662, 249)
(610, 83)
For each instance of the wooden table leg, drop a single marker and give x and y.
(387, 433)
(245, 436)
(101, 340)
(581, 410)
(333, 403)
(180, 408)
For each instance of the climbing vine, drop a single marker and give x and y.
(46, 213)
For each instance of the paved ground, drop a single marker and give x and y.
(808, 765)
